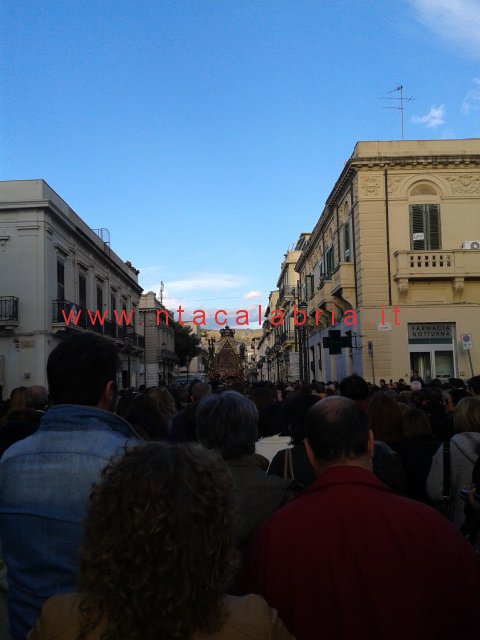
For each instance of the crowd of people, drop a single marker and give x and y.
(233, 511)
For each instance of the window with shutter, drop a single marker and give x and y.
(60, 280)
(310, 285)
(424, 227)
(328, 263)
(346, 241)
(82, 289)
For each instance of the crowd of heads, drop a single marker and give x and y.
(164, 492)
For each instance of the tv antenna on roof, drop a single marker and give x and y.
(401, 99)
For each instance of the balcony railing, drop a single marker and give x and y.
(287, 336)
(110, 328)
(324, 292)
(285, 293)
(8, 309)
(69, 314)
(457, 263)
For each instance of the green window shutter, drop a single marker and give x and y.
(417, 227)
(346, 241)
(309, 281)
(424, 227)
(328, 263)
(433, 226)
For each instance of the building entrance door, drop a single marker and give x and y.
(431, 347)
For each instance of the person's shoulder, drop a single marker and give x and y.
(19, 448)
(250, 617)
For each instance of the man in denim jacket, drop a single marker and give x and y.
(46, 479)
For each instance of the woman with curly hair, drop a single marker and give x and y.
(158, 555)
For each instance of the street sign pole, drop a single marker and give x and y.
(470, 362)
(467, 344)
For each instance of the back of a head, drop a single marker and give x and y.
(139, 555)
(18, 399)
(337, 429)
(354, 387)
(37, 397)
(466, 416)
(296, 409)
(272, 420)
(79, 368)
(199, 390)
(457, 395)
(416, 425)
(143, 413)
(385, 418)
(227, 422)
(164, 401)
(263, 396)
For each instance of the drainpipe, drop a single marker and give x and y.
(389, 272)
(354, 256)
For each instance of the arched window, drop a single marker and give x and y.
(424, 215)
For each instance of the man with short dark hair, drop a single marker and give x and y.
(45, 479)
(351, 559)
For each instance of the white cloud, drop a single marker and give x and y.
(206, 280)
(471, 102)
(433, 118)
(457, 21)
(252, 294)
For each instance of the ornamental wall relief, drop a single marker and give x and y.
(355, 190)
(371, 186)
(465, 183)
(393, 184)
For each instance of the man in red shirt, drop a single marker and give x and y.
(349, 559)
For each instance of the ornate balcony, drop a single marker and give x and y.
(343, 283)
(325, 292)
(456, 265)
(8, 312)
(287, 336)
(68, 314)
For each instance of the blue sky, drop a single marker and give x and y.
(207, 134)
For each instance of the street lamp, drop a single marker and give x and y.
(277, 354)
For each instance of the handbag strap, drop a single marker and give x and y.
(446, 469)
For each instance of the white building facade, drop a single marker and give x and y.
(58, 276)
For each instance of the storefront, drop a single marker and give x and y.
(431, 347)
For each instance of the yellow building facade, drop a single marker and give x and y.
(393, 263)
